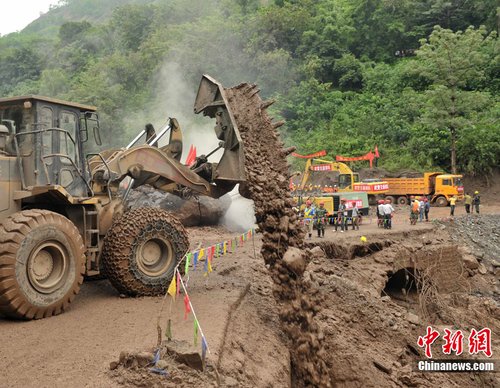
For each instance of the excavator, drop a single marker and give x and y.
(62, 213)
(348, 181)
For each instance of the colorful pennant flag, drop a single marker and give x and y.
(195, 260)
(172, 287)
(203, 350)
(186, 266)
(202, 253)
(196, 326)
(187, 307)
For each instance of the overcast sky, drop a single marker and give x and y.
(17, 14)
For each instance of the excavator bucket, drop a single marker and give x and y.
(213, 102)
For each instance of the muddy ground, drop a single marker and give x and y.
(370, 326)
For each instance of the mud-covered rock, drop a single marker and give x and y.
(191, 212)
(295, 260)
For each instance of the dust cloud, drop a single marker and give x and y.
(241, 213)
(174, 97)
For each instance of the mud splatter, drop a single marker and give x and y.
(267, 185)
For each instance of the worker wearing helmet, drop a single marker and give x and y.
(468, 202)
(414, 210)
(342, 216)
(388, 212)
(453, 201)
(309, 213)
(380, 213)
(320, 219)
(355, 215)
(476, 200)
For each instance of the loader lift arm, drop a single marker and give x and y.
(149, 165)
(161, 168)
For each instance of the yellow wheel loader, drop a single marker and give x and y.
(61, 209)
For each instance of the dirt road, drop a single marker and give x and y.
(76, 348)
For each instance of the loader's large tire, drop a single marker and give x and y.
(42, 264)
(142, 249)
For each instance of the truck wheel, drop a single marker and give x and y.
(141, 250)
(42, 264)
(390, 198)
(441, 201)
(402, 201)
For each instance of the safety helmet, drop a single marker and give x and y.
(476, 192)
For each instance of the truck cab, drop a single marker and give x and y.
(448, 185)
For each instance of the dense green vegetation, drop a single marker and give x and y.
(419, 78)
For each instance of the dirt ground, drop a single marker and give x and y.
(239, 316)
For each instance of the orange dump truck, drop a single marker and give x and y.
(438, 186)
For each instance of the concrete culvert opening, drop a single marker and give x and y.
(403, 285)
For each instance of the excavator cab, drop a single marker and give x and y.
(346, 181)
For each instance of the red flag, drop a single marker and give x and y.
(191, 156)
(377, 155)
(187, 307)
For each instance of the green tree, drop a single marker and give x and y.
(54, 83)
(452, 61)
(71, 31)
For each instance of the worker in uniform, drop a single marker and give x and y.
(341, 216)
(380, 213)
(309, 213)
(355, 216)
(388, 211)
(427, 208)
(320, 218)
(453, 201)
(414, 210)
(476, 200)
(421, 208)
(467, 202)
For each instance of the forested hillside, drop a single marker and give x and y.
(418, 78)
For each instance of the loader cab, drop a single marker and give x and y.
(46, 137)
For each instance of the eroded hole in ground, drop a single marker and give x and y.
(402, 286)
(332, 250)
(362, 250)
(346, 252)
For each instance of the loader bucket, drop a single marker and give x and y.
(213, 102)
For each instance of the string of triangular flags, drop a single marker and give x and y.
(213, 251)
(177, 282)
